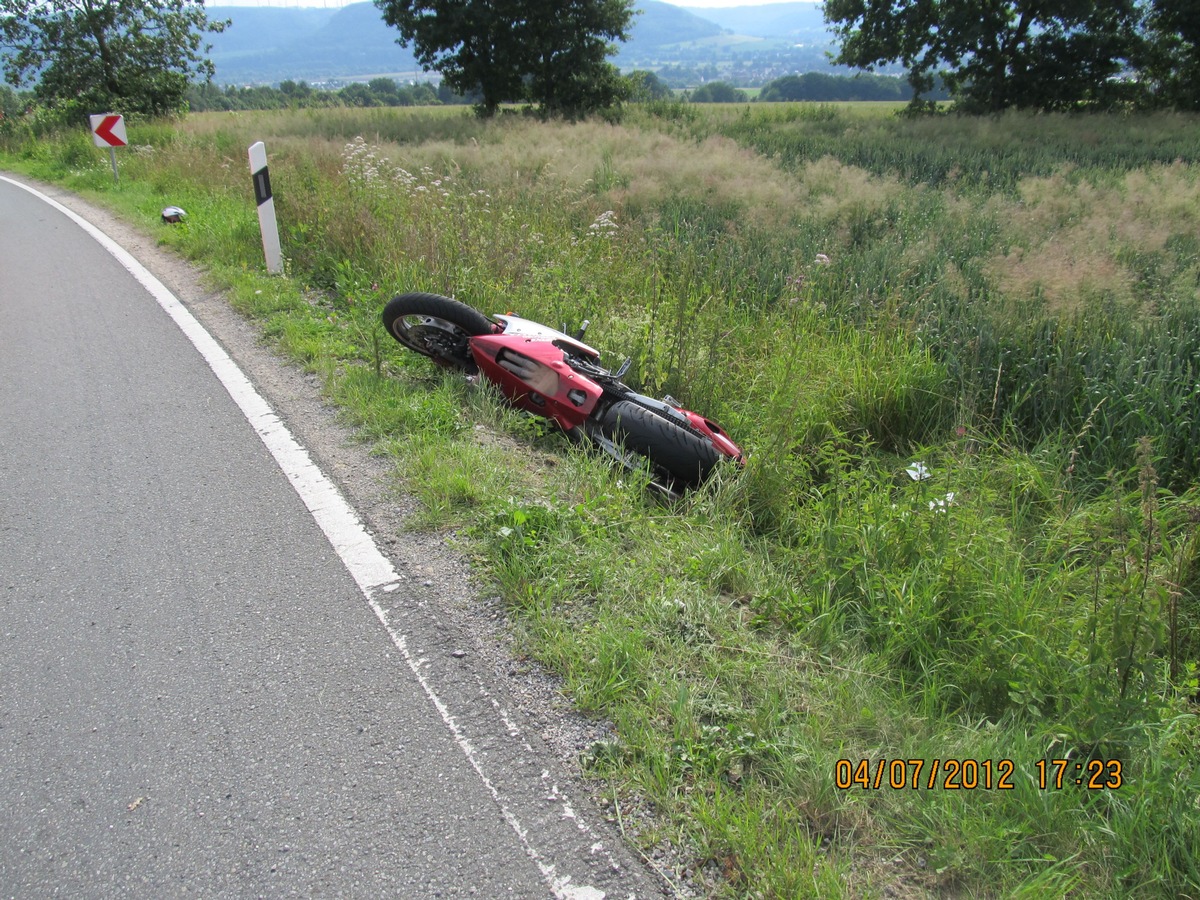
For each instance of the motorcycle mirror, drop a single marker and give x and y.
(582, 329)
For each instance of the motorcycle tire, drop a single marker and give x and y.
(437, 327)
(686, 457)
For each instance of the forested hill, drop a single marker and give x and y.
(268, 44)
(801, 20)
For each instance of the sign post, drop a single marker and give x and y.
(266, 208)
(109, 131)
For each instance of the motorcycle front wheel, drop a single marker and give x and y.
(437, 327)
(687, 458)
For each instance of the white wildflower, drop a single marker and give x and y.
(605, 224)
(940, 505)
(918, 472)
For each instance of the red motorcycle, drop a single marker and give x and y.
(556, 376)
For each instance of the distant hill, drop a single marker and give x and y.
(660, 24)
(269, 45)
(256, 27)
(266, 45)
(803, 19)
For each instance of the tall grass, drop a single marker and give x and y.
(967, 528)
(1056, 267)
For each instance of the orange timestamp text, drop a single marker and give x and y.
(929, 774)
(954, 774)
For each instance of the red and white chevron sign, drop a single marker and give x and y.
(108, 130)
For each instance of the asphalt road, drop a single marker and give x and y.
(196, 696)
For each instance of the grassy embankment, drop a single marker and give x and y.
(1013, 303)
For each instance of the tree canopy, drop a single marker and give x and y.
(550, 52)
(718, 92)
(91, 56)
(1171, 57)
(1033, 54)
(645, 85)
(822, 88)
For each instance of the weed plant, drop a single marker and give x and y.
(963, 358)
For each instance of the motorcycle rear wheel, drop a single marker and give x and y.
(437, 327)
(685, 457)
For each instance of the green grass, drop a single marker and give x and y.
(1010, 303)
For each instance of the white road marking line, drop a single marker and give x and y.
(371, 570)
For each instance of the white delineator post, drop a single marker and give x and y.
(266, 208)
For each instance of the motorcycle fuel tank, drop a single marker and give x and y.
(534, 375)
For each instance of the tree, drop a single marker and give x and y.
(423, 94)
(1170, 62)
(385, 90)
(92, 56)
(819, 87)
(996, 54)
(571, 75)
(718, 92)
(550, 52)
(358, 94)
(296, 93)
(10, 103)
(645, 85)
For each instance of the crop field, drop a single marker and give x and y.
(940, 637)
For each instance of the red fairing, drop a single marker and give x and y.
(720, 440)
(565, 396)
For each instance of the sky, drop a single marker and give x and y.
(724, 4)
(334, 4)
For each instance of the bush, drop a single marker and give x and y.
(718, 92)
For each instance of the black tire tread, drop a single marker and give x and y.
(685, 456)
